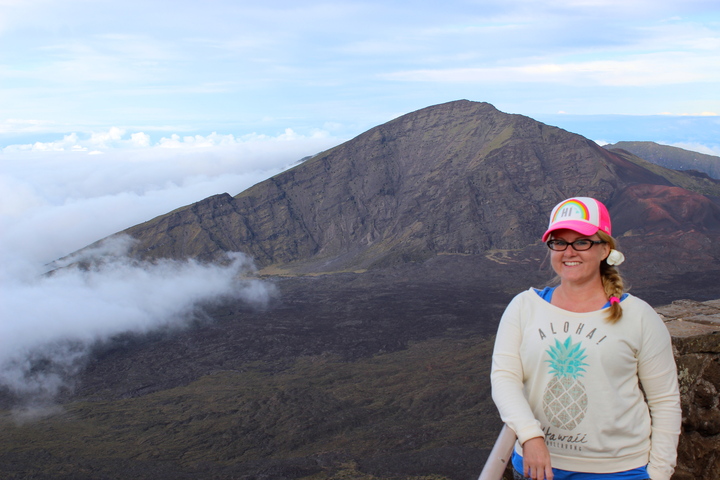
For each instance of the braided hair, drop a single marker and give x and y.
(612, 281)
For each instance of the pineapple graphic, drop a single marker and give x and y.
(565, 400)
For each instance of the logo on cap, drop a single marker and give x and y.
(571, 210)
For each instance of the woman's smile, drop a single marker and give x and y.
(577, 266)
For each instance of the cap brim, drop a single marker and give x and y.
(583, 228)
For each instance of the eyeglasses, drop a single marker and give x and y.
(579, 245)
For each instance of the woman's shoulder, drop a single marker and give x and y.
(533, 292)
(642, 311)
(528, 297)
(632, 302)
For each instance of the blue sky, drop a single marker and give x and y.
(241, 67)
(112, 113)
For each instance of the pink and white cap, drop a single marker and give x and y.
(580, 214)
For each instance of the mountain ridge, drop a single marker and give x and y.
(671, 157)
(460, 177)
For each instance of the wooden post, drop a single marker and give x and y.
(500, 455)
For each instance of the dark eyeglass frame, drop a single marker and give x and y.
(555, 243)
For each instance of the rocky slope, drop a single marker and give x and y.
(695, 327)
(456, 178)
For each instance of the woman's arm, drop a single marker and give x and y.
(658, 375)
(507, 377)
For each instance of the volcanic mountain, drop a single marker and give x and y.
(394, 255)
(461, 178)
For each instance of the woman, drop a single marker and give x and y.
(570, 361)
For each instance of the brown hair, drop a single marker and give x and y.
(612, 281)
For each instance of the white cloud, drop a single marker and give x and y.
(79, 190)
(51, 323)
(670, 68)
(108, 59)
(57, 197)
(140, 139)
(68, 143)
(12, 125)
(105, 139)
(17, 197)
(701, 114)
(115, 138)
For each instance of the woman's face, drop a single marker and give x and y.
(578, 267)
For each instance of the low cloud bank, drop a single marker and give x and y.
(78, 190)
(51, 323)
(58, 197)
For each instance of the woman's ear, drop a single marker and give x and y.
(606, 250)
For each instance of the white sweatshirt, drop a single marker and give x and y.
(574, 378)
